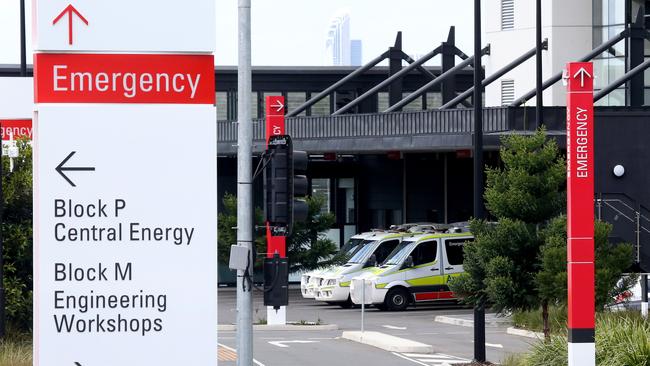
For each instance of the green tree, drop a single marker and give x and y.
(611, 262)
(227, 234)
(523, 194)
(307, 247)
(17, 237)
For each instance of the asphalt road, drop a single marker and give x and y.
(315, 348)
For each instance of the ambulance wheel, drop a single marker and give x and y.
(397, 299)
(347, 304)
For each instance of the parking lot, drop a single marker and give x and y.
(451, 343)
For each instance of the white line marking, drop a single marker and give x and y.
(394, 327)
(282, 344)
(494, 345)
(421, 355)
(258, 363)
(410, 359)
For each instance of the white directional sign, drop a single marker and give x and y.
(125, 25)
(125, 185)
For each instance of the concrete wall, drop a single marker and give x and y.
(566, 24)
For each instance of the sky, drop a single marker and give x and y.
(293, 32)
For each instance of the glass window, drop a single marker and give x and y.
(385, 249)
(222, 106)
(454, 249)
(295, 100)
(425, 252)
(434, 100)
(382, 102)
(616, 12)
(399, 254)
(254, 101)
(351, 246)
(363, 252)
(415, 105)
(346, 188)
(321, 187)
(322, 107)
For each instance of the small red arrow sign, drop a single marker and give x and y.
(70, 10)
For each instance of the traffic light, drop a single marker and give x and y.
(283, 187)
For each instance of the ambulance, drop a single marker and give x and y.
(334, 285)
(308, 281)
(418, 270)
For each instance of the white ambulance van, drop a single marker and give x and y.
(308, 281)
(417, 271)
(334, 285)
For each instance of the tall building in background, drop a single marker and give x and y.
(338, 45)
(356, 52)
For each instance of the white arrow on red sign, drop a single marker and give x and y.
(70, 10)
(582, 73)
(278, 106)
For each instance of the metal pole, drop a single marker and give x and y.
(620, 81)
(644, 295)
(490, 79)
(336, 85)
(539, 110)
(555, 78)
(23, 41)
(423, 89)
(2, 262)
(363, 306)
(389, 81)
(244, 187)
(479, 309)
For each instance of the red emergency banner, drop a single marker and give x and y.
(580, 202)
(124, 78)
(16, 128)
(275, 109)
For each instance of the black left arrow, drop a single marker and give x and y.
(60, 169)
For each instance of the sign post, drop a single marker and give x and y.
(580, 214)
(124, 209)
(275, 125)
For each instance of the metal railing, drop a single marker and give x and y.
(453, 121)
(612, 207)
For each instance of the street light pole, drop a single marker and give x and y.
(539, 109)
(23, 41)
(244, 188)
(479, 309)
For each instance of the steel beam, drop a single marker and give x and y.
(496, 75)
(338, 84)
(555, 78)
(620, 81)
(435, 82)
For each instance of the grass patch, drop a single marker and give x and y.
(622, 339)
(532, 320)
(16, 350)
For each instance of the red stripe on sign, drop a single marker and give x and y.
(139, 78)
(16, 127)
(423, 296)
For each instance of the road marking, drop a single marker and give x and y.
(282, 344)
(394, 327)
(258, 363)
(435, 359)
(493, 345)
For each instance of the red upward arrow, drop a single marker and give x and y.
(70, 10)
